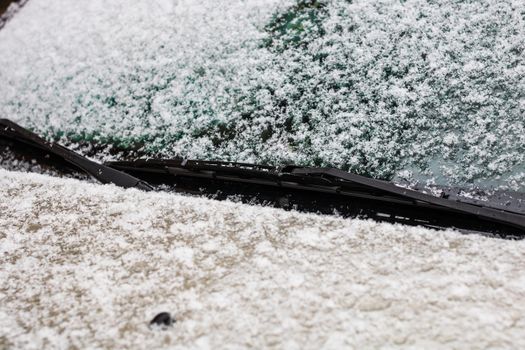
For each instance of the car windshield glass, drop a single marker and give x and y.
(414, 92)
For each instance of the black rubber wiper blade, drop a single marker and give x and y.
(481, 211)
(103, 173)
(323, 186)
(320, 190)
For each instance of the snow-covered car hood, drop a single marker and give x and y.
(85, 265)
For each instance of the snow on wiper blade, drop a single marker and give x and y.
(322, 190)
(319, 190)
(506, 200)
(19, 135)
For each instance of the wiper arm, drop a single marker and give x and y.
(319, 189)
(104, 174)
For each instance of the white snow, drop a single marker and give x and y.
(376, 87)
(87, 266)
(10, 11)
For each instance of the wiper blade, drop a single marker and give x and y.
(319, 190)
(324, 189)
(14, 132)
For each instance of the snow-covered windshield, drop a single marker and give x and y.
(430, 91)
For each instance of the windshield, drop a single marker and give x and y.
(409, 91)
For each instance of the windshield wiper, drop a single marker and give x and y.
(319, 190)
(324, 190)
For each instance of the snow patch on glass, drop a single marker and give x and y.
(390, 89)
